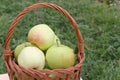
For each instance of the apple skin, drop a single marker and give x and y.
(31, 57)
(56, 41)
(42, 36)
(60, 57)
(19, 48)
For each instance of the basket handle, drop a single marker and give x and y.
(43, 5)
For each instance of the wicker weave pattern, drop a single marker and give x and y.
(31, 74)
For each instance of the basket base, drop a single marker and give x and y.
(5, 77)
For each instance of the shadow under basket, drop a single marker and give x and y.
(17, 72)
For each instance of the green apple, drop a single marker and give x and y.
(56, 41)
(19, 48)
(31, 57)
(60, 56)
(41, 35)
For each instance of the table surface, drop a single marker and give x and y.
(5, 77)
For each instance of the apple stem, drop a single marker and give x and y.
(57, 41)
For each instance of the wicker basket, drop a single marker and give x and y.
(71, 73)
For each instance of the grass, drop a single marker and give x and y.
(99, 24)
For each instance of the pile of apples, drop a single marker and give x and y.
(43, 49)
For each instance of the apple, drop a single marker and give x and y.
(41, 66)
(60, 56)
(31, 57)
(56, 41)
(19, 48)
(42, 36)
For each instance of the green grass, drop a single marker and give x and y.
(99, 24)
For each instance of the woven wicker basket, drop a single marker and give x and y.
(71, 73)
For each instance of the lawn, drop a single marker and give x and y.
(98, 23)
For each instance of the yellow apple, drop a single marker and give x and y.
(31, 57)
(19, 48)
(42, 36)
